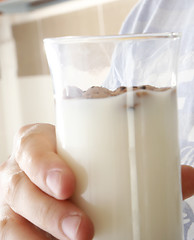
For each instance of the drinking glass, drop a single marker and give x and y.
(116, 127)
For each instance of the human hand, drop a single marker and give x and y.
(35, 185)
(29, 209)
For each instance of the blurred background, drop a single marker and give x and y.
(25, 84)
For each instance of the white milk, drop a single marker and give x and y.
(124, 152)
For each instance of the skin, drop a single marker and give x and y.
(36, 186)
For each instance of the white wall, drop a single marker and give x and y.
(29, 99)
(22, 100)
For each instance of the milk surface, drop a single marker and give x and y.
(124, 153)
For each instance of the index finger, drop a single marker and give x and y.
(35, 153)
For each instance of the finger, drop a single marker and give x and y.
(35, 152)
(62, 219)
(13, 226)
(187, 175)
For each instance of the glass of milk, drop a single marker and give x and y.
(116, 126)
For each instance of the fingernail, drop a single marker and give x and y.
(70, 226)
(53, 181)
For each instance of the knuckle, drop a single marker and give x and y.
(3, 228)
(25, 133)
(3, 223)
(23, 138)
(47, 211)
(31, 141)
(5, 169)
(13, 187)
(32, 136)
(25, 129)
(3, 166)
(6, 220)
(34, 129)
(9, 222)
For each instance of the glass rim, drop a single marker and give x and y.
(118, 37)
